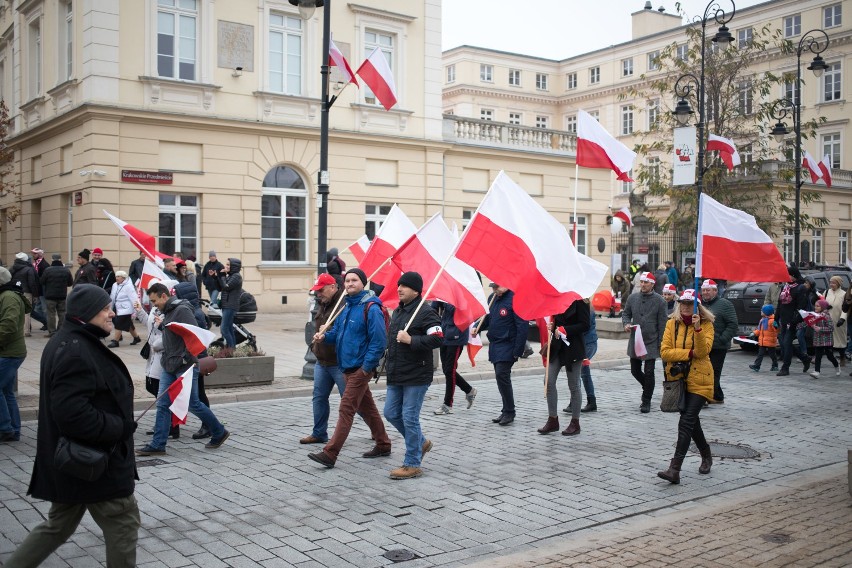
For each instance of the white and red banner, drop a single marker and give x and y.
(359, 248)
(430, 248)
(376, 72)
(195, 338)
(825, 170)
(336, 59)
(726, 148)
(810, 164)
(178, 393)
(515, 242)
(811, 317)
(732, 247)
(152, 273)
(474, 344)
(596, 148)
(624, 215)
(396, 229)
(146, 243)
(638, 342)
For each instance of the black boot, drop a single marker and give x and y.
(202, 433)
(174, 432)
(706, 461)
(672, 475)
(552, 425)
(591, 405)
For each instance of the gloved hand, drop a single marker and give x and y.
(129, 428)
(841, 322)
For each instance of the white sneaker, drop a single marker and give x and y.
(837, 371)
(472, 395)
(444, 409)
(814, 374)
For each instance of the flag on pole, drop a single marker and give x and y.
(811, 317)
(474, 344)
(359, 248)
(731, 246)
(376, 72)
(336, 59)
(825, 169)
(638, 342)
(195, 338)
(430, 248)
(396, 229)
(140, 239)
(178, 393)
(726, 148)
(596, 148)
(515, 242)
(624, 215)
(151, 271)
(810, 164)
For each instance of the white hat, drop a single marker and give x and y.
(22, 256)
(647, 277)
(669, 289)
(689, 296)
(709, 284)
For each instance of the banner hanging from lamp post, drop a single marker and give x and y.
(685, 152)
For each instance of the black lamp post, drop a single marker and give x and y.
(782, 107)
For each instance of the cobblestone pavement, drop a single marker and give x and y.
(489, 493)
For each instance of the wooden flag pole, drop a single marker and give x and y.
(476, 329)
(426, 293)
(334, 314)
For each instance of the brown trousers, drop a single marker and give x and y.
(356, 398)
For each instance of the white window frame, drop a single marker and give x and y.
(831, 145)
(653, 113)
(832, 17)
(367, 21)
(790, 90)
(627, 67)
(541, 81)
(486, 73)
(571, 81)
(516, 118)
(284, 194)
(582, 232)
(179, 14)
(571, 124)
(467, 215)
(682, 52)
(787, 247)
(178, 210)
(542, 122)
(594, 75)
(35, 54)
(391, 55)
(816, 246)
(744, 37)
(451, 73)
(514, 77)
(289, 85)
(832, 83)
(596, 114)
(374, 217)
(793, 25)
(745, 98)
(653, 166)
(652, 64)
(842, 247)
(626, 120)
(486, 114)
(627, 186)
(65, 41)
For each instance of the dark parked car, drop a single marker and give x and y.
(747, 298)
(821, 278)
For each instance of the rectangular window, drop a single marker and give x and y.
(627, 119)
(793, 25)
(816, 246)
(745, 98)
(596, 114)
(792, 92)
(285, 54)
(831, 147)
(682, 52)
(66, 159)
(654, 60)
(582, 232)
(515, 77)
(283, 226)
(451, 73)
(594, 75)
(571, 124)
(653, 114)
(832, 17)
(467, 215)
(746, 153)
(541, 122)
(34, 59)
(515, 118)
(374, 216)
(572, 80)
(177, 39)
(627, 186)
(66, 40)
(788, 246)
(486, 73)
(627, 67)
(842, 247)
(387, 44)
(541, 81)
(831, 83)
(653, 170)
(486, 114)
(745, 37)
(178, 224)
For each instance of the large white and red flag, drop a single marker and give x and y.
(731, 246)
(336, 59)
(152, 273)
(596, 148)
(146, 243)
(376, 72)
(515, 242)
(178, 392)
(825, 169)
(624, 215)
(195, 338)
(396, 229)
(726, 148)
(429, 249)
(812, 166)
(359, 248)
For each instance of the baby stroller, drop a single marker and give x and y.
(246, 314)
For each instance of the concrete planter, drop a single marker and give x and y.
(242, 371)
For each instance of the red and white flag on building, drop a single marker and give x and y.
(430, 248)
(395, 230)
(140, 239)
(178, 393)
(596, 148)
(359, 248)
(624, 215)
(812, 166)
(515, 242)
(336, 59)
(195, 338)
(811, 317)
(474, 344)
(377, 74)
(638, 342)
(825, 170)
(731, 246)
(726, 148)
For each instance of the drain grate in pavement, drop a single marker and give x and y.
(399, 555)
(777, 538)
(730, 451)
(148, 463)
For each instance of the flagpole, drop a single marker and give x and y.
(376, 271)
(425, 294)
(334, 314)
(574, 230)
(482, 319)
(159, 396)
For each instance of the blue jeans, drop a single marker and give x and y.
(10, 417)
(228, 327)
(214, 296)
(849, 334)
(163, 421)
(402, 409)
(324, 380)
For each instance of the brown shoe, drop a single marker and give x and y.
(322, 458)
(406, 472)
(312, 440)
(377, 452)
(573, 428)
(427, 445)
(552, 425)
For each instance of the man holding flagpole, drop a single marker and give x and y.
(647, 312)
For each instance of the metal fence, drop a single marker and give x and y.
(653, 247)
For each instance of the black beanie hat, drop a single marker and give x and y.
(411, 279)
(359, 273)
(85, 253)
(85, 301)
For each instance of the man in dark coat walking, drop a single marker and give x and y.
(88, 272)
(86, 395)
(210, 276)
(55, 282)
(647, 311)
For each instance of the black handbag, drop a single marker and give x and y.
(83, 462)
(145, 352)
(674, 396)
(152, 385)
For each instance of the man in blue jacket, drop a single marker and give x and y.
(507, 336)
(360, 337)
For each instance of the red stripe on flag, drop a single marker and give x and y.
(742, 261)
(591, 155)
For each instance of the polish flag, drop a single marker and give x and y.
(515, 242)
(151, 271)
(140, 239)
(726, 148)
(336, 59)
(178, 393)
(731, 246)
(825, 169)
(359, 248)
(396, 229)
(195, 338)
(474, 344)
(431, 248)
(810, 164)
(624, 215)
(811, 318)
(596, 148)
(376, 72)
(639, 342)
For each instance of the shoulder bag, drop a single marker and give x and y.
(674, 390)
(83, 462)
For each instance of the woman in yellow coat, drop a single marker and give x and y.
(687, 341)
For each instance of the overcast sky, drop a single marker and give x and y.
(555, 29)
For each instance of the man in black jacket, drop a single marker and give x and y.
(55, 282)
(793, 297)
(86, 395)
(411, 339)
(136, 268)
(210, 276)
(87, 273)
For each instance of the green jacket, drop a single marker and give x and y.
(726, 324)
(13, 306)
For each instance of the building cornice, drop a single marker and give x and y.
(383, 14)
(500, 94)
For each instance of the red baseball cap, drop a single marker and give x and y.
(323, 280)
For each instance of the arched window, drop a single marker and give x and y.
(283, 217)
